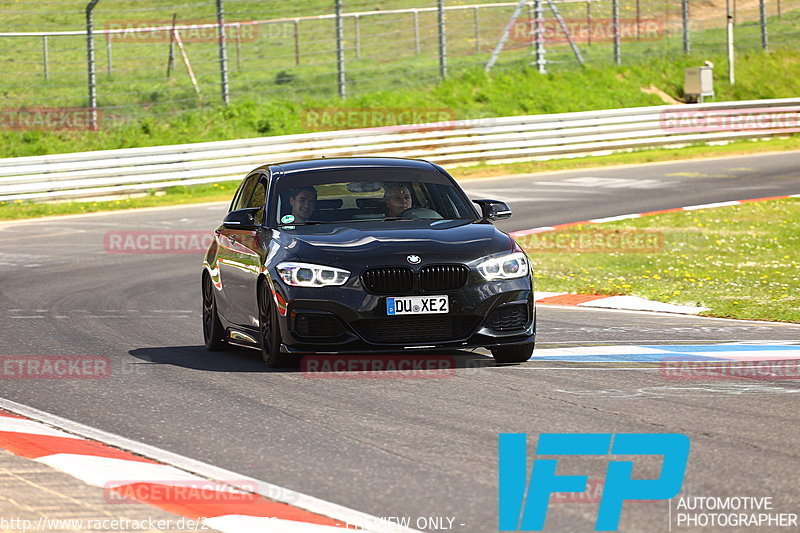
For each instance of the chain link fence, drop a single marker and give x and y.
(154, 57)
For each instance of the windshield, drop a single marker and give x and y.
(355, 195)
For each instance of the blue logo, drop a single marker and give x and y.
(521, 510)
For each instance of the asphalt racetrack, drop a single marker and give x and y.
(415, 447)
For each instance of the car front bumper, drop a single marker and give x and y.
(347, 319)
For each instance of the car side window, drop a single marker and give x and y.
(236, 196)
(245, 193)
(258, 199)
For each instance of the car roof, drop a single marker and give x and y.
(341, 163)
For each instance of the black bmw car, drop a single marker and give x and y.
(364, 255)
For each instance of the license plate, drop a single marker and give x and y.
(417, 305)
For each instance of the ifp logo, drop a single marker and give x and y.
(525, 510)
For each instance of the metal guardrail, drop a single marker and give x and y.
(456, 143)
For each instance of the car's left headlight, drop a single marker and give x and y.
(508, 266)
(308, 275)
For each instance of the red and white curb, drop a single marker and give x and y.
(628, 303)
(230, 503)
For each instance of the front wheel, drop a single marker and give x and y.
(270, 331)
(213, 332)
(513, 354)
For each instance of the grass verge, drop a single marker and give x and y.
(740, 261)
(512, 90)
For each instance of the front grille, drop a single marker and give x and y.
(443, 277)
(420, 329)
(508, 317)
(317, 325)
(388, 280)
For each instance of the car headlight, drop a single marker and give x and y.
(308, 275)
(508, 266)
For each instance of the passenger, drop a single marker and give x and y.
(398, 198)
(303, 200)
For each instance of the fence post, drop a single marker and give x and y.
(476, 21)
(615, 11)
(239, 45)
(340, 49)
(358, 36)
(539, 31)
(417, 45)
(171, 57)
(588, 24)
(442, 40)
(223, 54)
(729, 28)
(44, 53)
(296, 41)
(763, 12)
(685, 23)
(638, 21)
(108, 54)
(90, 60)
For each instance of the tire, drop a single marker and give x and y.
(213, 332)
(513, 354)
(270, 332)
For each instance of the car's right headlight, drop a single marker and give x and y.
(507, 266)
(308, 275)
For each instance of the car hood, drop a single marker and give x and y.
(390, 243)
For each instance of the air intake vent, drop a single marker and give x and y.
(508, 317)
(443, 277)
(388, 280)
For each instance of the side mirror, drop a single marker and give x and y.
(242, 219)
(493, 209)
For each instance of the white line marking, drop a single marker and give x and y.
(16, 425)
(613, 219)
(646, 365)
(707, 206)
(600, 350)
(671, 316)
(626, 342)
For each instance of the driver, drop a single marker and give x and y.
(398, 198)
(303, 200)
